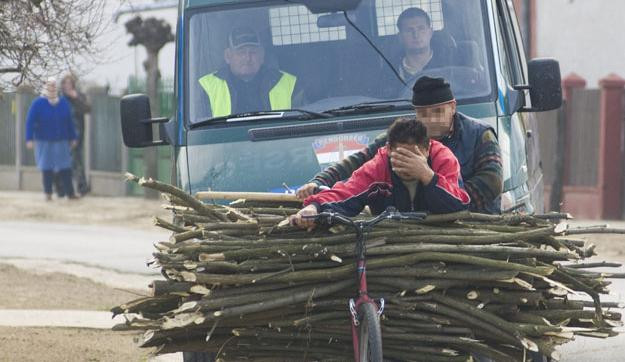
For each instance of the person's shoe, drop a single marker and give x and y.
(48, 197)
(72, 197)
(84, 190)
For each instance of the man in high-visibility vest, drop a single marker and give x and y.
(246, 84)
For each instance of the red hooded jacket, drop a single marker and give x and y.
(376, 185)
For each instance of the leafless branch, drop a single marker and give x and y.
(44, 37)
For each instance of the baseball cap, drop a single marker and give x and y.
(243, 36)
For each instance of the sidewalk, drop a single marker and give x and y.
(58, 318)
(70, 319)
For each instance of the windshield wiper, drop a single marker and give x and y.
(260, 115)
(388, 62)
(370, 107)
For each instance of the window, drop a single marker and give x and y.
(333, 64)
(388, 11)
(296, 25)
(510, 45)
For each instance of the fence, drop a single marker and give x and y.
(106, 158)
(593, 179)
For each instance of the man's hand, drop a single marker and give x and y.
(305, 223)
(411, 164)
(72, 93)
(306, 190)
(30, 145)
(73, 144)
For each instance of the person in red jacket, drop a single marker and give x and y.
(384, 180)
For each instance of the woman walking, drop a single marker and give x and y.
(50, 131)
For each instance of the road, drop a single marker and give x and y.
(120, 249)
(126, 251)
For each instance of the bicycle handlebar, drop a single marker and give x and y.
(331, 218)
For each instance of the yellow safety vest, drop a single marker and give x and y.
(219, 93)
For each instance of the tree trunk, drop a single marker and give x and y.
(150, 154)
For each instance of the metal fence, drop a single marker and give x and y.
(24, 101)
(7, 129)
(582, 130)
(105, 146)
(583, 124)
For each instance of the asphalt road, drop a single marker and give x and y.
(126, 250)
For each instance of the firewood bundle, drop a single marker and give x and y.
(241, 283)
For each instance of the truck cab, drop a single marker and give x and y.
(344, 57)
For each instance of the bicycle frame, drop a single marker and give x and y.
(362, 227)
(363, 294)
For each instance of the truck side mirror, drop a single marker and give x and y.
(545, 85)
(137, 121)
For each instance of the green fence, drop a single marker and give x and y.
(28, 156)
(105, 136)
(7, 125)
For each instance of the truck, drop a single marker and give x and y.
(344, 55)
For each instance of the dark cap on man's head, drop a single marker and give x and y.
(431, 91)
(243, 36)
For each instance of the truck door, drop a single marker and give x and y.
(528, 119)
(513, 126)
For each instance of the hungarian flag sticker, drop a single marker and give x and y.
(335, 148)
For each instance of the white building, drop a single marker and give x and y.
(584, 35)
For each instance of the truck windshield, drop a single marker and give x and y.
(268, 56)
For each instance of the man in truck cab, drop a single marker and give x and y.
(420, 49)
(415, 35)
(472, 142)
(246, 83)
(411, 173)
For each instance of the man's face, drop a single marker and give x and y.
(410, 147)
(67, 85)
(415, 33)
(245, 61)
(438, 118)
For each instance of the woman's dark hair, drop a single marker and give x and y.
(410, 13)
(408, 130)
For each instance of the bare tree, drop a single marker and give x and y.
(153, 34)
(43, 37)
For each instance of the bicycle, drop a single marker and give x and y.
(364, 311)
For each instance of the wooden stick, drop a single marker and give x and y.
(248, 196)
(186, 198)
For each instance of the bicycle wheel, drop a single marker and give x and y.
(369, 334)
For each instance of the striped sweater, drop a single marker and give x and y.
(474, 144)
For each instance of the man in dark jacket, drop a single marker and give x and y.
(472, 142)
(80, 107)
(246, 84)
(411, 173)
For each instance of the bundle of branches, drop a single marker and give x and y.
(241, 284)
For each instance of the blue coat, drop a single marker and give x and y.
(46, 122)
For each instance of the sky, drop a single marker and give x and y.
(118, 61)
